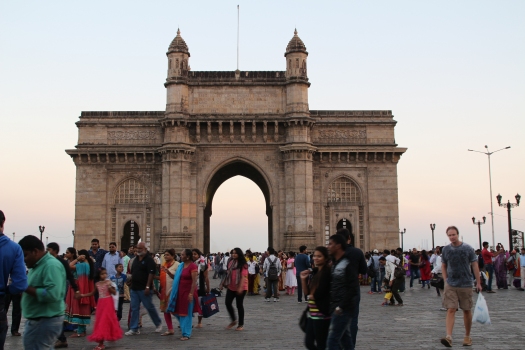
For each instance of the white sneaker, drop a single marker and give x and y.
(275, 299)
(132, 332)
(158, 329)
(267, 300)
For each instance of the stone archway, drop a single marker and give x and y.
(226, 172)
(344, 223)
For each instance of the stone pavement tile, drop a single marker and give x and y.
(274, 325)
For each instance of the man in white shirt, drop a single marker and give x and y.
(437, 263)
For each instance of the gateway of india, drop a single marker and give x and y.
(152, 175)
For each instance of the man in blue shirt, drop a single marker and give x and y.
(302, 262)
(97, 254)
(111, 259)
(11, 264)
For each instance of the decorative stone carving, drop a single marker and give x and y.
(132, 135)
(336, 134)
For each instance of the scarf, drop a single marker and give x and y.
(175, 289)
(232, 265)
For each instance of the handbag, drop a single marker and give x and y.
(371, 272)
(438, 282)
(303, 320)
(209, 305)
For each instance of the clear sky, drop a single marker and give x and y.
(452, 72)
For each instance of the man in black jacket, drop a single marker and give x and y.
(344, 291)
(358, 264)
(53, 249)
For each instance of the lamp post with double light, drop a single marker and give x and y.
(490, 185)
(509, 206)
(479, 223)
(402, 232)
(433, 227)
(41, 229)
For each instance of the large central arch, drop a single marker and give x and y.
(227, 171)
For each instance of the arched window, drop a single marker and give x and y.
(296, 63)
(169, 63)
(344, 190)
(131, 191)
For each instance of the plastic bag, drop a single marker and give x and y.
(481, 312)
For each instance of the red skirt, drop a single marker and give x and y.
(107, 327)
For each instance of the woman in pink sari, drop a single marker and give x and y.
(500, 267)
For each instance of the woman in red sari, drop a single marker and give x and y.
(424, 269)
(78, 311)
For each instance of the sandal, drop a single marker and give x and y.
(231, 325)
(240, 328)
(98, 347)
(167, 333)
(199, 325)
(77, 335)
(184, 338)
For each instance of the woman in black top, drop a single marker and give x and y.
(318, 290)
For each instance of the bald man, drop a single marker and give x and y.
(142, 273)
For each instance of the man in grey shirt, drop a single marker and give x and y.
(457, 258)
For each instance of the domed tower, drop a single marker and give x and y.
(296, 55)
(296, 76)
(178, 67)
(298, 150)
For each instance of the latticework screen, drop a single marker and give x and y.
(131, 192)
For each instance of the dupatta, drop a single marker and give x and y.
(175, 289)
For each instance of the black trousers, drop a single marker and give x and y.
(395, 291)
(300, 290)
(239, 301)
(16, 315)
(3, 324)
(316, 334)
(119, 310)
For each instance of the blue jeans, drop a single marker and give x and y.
(137, 297)
(490, 269)
(375, 284)
(42, 333)
(339, 336)
(414, 273)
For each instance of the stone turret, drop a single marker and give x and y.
(296, 55)
(176, 82)
(178, 55)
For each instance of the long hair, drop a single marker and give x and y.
(316, 279)
(424, 254)
(241, 260)
(90, 262)
(188, 254)
(73, 252)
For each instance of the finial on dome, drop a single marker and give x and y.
(178, 44)
(296, 44)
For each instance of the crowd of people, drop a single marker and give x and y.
(59, 293)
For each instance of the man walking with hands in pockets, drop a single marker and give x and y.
(457, 258)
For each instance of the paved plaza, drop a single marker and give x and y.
(418, 324)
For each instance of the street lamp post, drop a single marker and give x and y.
(433, 227)
(73, 232)
(41, 229)
(13, 236)
(509, 206)
(490, 184)
(479, 223)
(402, 232)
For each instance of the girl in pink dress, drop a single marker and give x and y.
(107, 327)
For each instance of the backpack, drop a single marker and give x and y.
(371, 272)
(272, 271)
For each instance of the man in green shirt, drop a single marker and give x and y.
(43, 301)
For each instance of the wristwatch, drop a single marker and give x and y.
(147, 287)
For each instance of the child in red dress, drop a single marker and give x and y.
(107, 327)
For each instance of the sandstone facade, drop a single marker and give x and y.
(159, 170)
